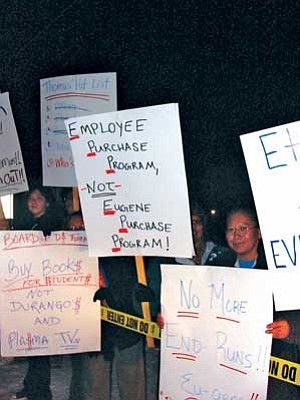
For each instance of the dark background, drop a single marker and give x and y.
(232, 66)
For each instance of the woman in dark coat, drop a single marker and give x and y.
(244, 238)
(39, 216)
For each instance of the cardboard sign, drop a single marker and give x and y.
(47, 287)
(65, 97)
(273, 162)
(214, 344)
(132, 184)
(12, 172)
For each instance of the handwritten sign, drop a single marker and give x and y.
(273, 162)
(65, 97)
(47, 287)
(132, 183)
(12, 172)
(213, 344)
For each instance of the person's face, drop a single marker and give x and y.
(197, 227)
(69, 203)
(76, 223)
(37, 204)
(242, 236)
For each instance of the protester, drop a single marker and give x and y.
(206, 251)
(121, 348)
(68, 198)
(92, 372)
(244, 238)
(40, 215)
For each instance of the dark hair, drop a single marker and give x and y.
(74, 214)
(198, 210)
(43, 190)
(249, 212)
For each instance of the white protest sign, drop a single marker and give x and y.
(214, 344)
(273, 162)
(65, 97)
(47, 287)
(132, 184)
(12, 172)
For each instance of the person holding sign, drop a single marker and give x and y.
(91, 372)
(40, 216)
(122, 347)
(244, 238)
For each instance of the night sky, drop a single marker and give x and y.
(233, 67)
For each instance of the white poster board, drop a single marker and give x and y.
(273, 162)
(12, 172)
(132, 183)
(65, 97)
(47, 287)
(214, 344)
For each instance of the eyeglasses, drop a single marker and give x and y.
(241, 229)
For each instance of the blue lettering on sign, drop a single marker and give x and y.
(228, 306)
(68, 267)
(18, 271)
(188, 386)
(180, 342)
(69, 338)
(280, 249)
(16, 340)
(274, 152)
(232, 355)
(217, 394)
(187, 298)
(49, 321)
(40, 306)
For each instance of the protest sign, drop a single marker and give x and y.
(47, 287)
(132, 184)
(272, 157)
(214, 345)
(12, 172)
(65, 97)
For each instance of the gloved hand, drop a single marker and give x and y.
(102, 294)
(143, 293)
(221, 256)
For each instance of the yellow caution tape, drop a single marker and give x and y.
(284, 370)
(130, 322)
(279, 368)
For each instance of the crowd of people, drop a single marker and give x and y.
(124, 349)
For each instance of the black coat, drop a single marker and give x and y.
(120, 273)
(47, 223)
(287, 349)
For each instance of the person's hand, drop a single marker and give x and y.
(101, 294)
(143, 293)
(160, 321)
(279, 329)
